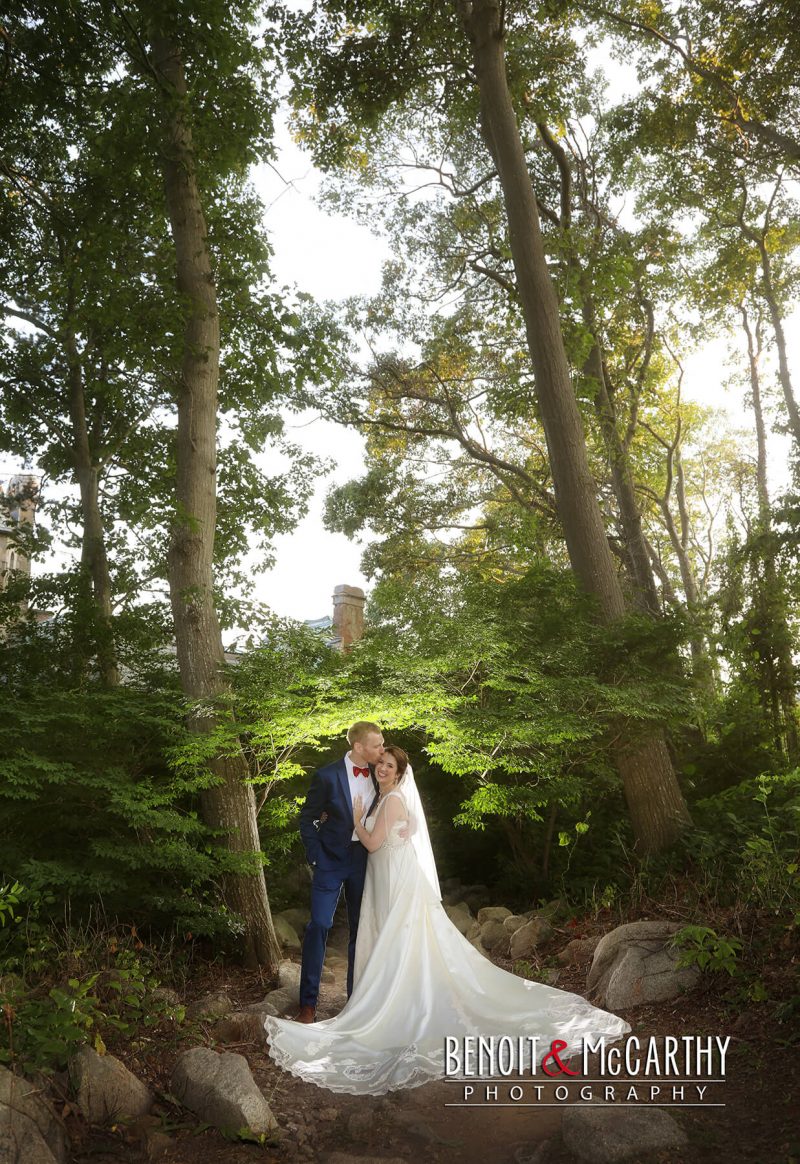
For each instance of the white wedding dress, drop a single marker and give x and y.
(417, 980)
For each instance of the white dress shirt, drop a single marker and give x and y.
(359, 787)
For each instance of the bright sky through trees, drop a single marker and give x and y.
(331, 257)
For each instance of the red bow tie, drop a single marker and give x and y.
(360, 771)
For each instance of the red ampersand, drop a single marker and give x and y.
(556, 1047)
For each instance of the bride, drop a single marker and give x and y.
(416, 978)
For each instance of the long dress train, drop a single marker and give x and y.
(416, 981)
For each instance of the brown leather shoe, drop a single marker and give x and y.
(306, 1014)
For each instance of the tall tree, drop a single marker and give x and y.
(352, 60)
(87, 197)
(229, 804)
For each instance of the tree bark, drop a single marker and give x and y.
(636, 557)
(655, 802)
(776, 631)
(780, 342)
(639, 568)
(94, 560)
(228, 806)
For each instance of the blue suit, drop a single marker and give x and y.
(337, 861)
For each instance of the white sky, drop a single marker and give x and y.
(331, 257)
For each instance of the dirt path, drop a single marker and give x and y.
(421, 1122)
(425, 1124)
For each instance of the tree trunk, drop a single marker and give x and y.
(780, 341)
(657, 808)
(634, 547)
(229, 805)
(94, 560)
(776, 631)
(641, 574)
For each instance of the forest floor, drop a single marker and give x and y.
(760, 1119)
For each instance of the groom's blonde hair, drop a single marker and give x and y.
(360, 730)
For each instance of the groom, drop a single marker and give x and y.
(335, 853)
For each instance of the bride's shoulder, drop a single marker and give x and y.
(396, 794)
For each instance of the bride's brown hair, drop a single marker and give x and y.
(401, 759)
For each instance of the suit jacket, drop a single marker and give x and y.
(327, 843)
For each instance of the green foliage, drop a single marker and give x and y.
(75, 987)
(93, 806)
(507, 694)
(703, 947)
(747, 840)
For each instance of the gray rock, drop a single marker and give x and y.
(494, 936)
(606, 1136)
(460, 915)
(105, 1089)
(634, 964)
(530, 937)
(298, 919)
(212, 1005)
(493, 913)
(277, 1002)
(514, 921)
(23, 1144)
(220, 1089)
(577, 951)
(479, 946)
(30, 1132)
(289, 975)
(286, 933)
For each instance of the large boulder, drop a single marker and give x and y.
(220, 1090)
(105, 1089)
(493, 913)
(30, 1132)
(606, 1136)
(530, 937)
(634, 964)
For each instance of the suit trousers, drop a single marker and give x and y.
(326, 888)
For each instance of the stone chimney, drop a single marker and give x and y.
(17, 507)
(348, 615)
